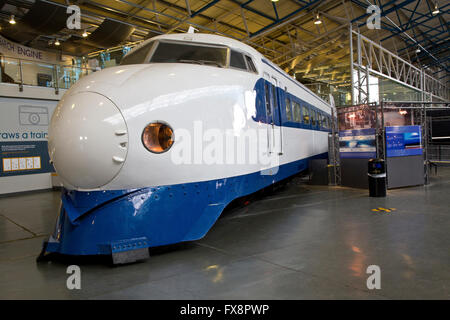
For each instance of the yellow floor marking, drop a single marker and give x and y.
(384, 209)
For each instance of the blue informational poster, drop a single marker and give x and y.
(403, 141)
(357, 144)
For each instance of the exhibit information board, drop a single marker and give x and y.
(357, 143)
(23, 136)
(403, 141)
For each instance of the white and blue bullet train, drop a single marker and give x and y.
(114, 134)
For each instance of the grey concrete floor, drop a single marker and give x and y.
(299, 242)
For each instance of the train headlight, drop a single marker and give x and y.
(157, 137)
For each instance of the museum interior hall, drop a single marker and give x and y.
(224, 150)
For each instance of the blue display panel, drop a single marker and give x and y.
(403, 141)
(357, 144)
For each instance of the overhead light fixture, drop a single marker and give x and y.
(418, 50)
(84, 34)
(274, 0)
(12, 21)
(317, 20)
(403, 112)
(436, 9)
(57, 43)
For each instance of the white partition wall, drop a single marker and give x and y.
(24, 119)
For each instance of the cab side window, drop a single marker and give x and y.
(237, 60)
(250, 64)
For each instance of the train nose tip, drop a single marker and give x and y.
(88, 140)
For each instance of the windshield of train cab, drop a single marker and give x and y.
(138, 55)
(178, 52)
(182, 52)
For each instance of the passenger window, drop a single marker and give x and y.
(288, 108)
(250, 64)
(297, 113)
(313, 117)
(237, 60)
(305, 112)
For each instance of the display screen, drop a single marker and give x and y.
(357, 143)
(403, 141)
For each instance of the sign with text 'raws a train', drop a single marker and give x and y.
(23, 136)
(14, 50)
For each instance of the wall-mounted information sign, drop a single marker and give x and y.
(23, 136)
(358, 143)
(403, 141)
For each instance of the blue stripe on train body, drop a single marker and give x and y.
(95, 222)
(157, 215)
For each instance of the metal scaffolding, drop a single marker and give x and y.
(370, 58)
(334, 172)
(417, 115)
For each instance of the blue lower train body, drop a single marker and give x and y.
(107, 222)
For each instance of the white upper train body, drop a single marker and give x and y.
(96, 132)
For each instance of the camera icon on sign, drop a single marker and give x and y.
(33, 116)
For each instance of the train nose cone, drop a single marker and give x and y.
(88, 140)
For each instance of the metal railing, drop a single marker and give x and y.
(439, 153)
(33, 73)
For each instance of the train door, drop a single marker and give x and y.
(273, 112)
(269, 113)
(280, 105)
(276, 103)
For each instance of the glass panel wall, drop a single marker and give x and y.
(10, 70)
(33, 73)
(393, 91)
(37, 74)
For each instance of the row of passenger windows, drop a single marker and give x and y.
(303, 114)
